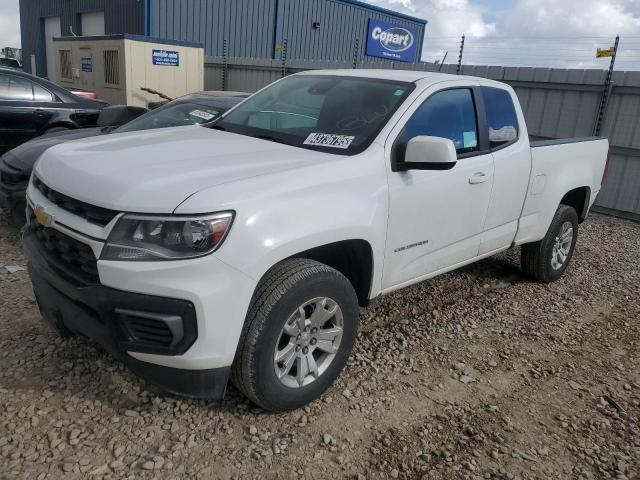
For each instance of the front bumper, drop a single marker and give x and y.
(102, 314)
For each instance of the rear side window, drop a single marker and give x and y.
(448, 114)
(501, 116)
(15, 88)
(41, 94)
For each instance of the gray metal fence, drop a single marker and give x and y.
(557, 103)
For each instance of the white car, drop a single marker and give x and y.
(243, 249)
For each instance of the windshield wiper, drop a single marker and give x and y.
(270, 138)
(217, 127)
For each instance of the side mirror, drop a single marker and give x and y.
(118, 115)
(429, 153)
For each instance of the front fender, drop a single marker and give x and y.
(278, 217)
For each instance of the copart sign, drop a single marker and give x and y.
(392, 42)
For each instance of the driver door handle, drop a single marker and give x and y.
(478, 177)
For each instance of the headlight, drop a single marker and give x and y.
(147, 237)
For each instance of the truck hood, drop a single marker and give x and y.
(156, 170)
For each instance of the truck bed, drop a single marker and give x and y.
(557, 167)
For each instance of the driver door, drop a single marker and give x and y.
(436, 217)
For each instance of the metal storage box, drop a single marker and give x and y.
(117, 66)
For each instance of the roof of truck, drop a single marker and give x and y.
(384, 74)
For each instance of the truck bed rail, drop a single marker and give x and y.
(561, 141)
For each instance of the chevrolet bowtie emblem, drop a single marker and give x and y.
(45, 219)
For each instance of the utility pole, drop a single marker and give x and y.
(606, 92)
(460, 56)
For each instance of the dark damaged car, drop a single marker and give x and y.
(16, 165)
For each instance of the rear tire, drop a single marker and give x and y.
(547, 259)
(298, 335)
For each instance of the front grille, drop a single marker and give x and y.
(98, 215)
(69, 257)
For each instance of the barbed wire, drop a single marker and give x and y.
(562, 51)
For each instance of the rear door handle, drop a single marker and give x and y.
(478, 177)
(40, 113)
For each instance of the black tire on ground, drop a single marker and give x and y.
(536, 258)
(283, 289)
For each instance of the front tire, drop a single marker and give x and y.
(298, 335)
(547, 259)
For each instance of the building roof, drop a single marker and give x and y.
(129, 36)
(385, 11)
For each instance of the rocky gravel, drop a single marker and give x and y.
(478, 374)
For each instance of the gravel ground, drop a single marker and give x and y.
(480, 373)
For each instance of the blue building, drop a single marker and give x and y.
(310, 29)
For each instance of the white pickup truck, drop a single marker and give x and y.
(243, 249)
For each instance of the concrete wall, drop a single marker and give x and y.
(558, 103)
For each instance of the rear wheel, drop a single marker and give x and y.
(547, 259)
(298, 335)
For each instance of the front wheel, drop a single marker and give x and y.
(298, 335)
(547, 259)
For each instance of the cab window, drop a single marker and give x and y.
(448, 114)
(501, 116)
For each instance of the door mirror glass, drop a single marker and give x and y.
(430, 153)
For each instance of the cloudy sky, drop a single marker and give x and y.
(509, 32)
(528, 32)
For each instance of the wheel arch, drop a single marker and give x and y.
(580, 199)
(353, 258)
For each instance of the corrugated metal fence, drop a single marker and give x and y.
(558, 103)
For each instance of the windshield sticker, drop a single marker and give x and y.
(329, 140)
(201, 114)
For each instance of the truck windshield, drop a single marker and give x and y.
(333, 114)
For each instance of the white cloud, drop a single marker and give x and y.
(528, 32)
(9, 23)
(571, 17)
(446, 17)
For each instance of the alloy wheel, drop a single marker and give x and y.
(308, 342)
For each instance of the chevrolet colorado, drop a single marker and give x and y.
(242, 249)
